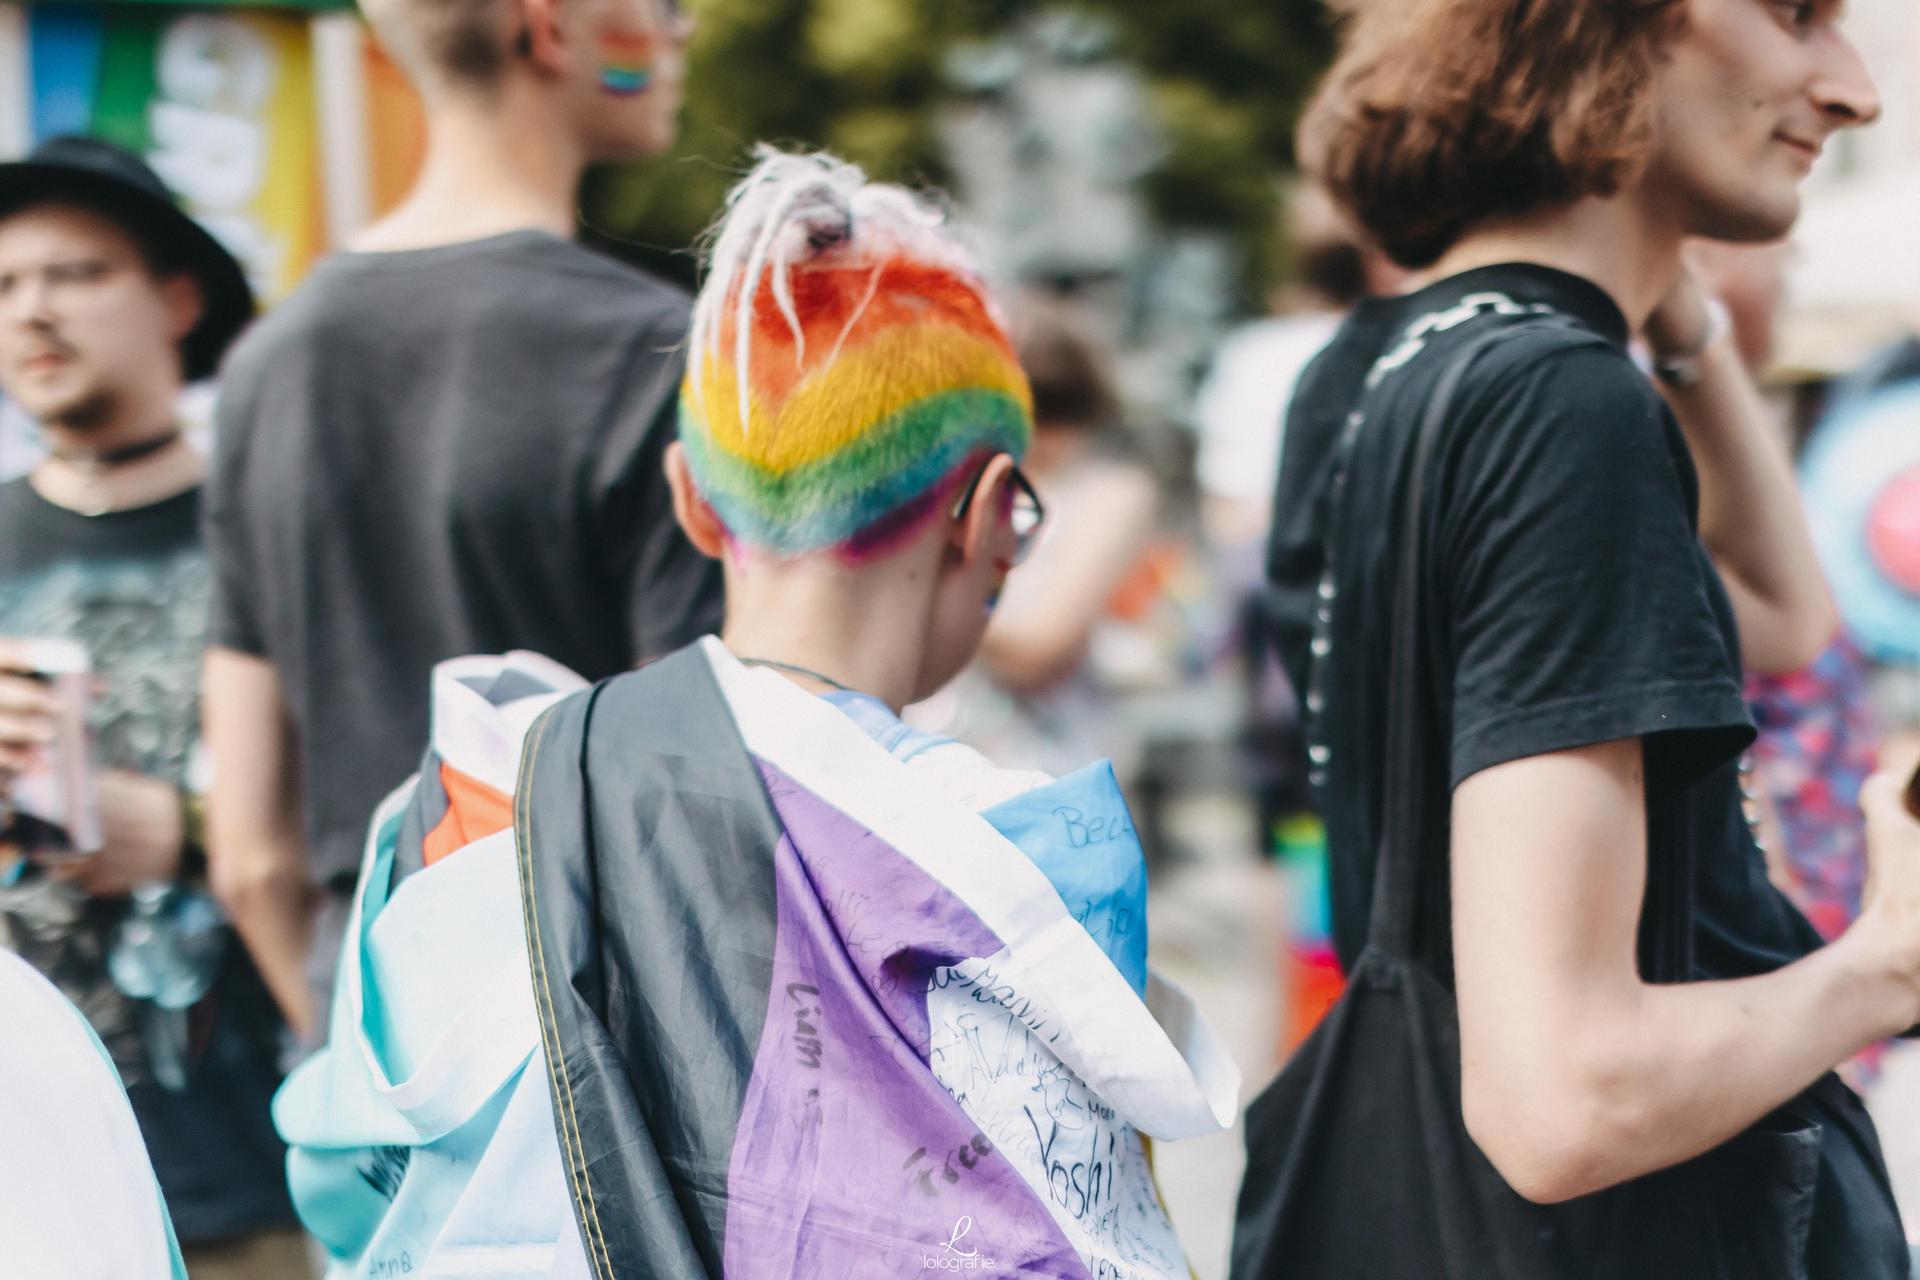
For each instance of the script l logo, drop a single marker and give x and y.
(960, 1230)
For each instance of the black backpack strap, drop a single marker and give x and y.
(1408, 881)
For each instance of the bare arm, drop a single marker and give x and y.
(1039, 635)
(1576, 1074)
(1750, 515)
(256, 854)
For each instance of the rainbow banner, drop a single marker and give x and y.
(220, 97)
(221, 103)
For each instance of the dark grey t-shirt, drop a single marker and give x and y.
(438, 452)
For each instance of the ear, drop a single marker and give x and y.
(185, 302)
(702, 526)
(978, 534)
(543, 41)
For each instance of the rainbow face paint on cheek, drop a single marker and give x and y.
(626, 63)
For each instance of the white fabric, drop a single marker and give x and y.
(482, 738)
(1167, 1089)
(432, 1037)
(78, 1199)
(1080, 1159)
(1242, 408)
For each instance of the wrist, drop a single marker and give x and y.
(1884, 967)
(1681, 362)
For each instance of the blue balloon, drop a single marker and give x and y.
(1849, 464)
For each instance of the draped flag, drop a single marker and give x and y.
(741, 994)
(807, 1014)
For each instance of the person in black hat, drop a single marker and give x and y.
(111, 300)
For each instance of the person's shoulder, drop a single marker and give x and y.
(1557, 410)
(602, 283)
(1536, 373)
(326, 301)
(570, 297)
(608, 271)
(1548, 348)
(518, 273)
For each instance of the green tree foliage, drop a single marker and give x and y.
(864, 78)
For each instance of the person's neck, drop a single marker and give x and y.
(79, 472)
(864, 627)
(1619, 244)
(492, 167)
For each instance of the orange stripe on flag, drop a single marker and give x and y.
(474, 811)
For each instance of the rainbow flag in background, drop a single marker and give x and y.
(220, 101)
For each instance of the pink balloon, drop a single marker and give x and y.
(1893, 531)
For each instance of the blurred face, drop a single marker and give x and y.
(625, 82)
(1750, 93)
(85, 325)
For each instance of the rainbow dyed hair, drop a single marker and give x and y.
(846, 365)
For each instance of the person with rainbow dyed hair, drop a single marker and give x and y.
(718, 968)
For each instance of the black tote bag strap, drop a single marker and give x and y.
(1412, 704)
(1410, 699)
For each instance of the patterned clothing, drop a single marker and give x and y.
(1817, 745)
(131, 588)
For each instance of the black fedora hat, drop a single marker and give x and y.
(119, 184)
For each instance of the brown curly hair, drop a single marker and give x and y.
(1440, 114)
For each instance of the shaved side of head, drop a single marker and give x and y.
(459, 44)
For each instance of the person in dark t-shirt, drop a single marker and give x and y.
(1600, 554)
(449, 440)
(109, 297)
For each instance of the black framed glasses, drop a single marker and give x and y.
(1028, 513)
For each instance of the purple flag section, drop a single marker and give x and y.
(851, 1158)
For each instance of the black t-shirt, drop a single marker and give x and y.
(439, 452)
(1572, 600)
(131, 588)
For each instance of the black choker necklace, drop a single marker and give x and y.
(120, 457)
(798, 671)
